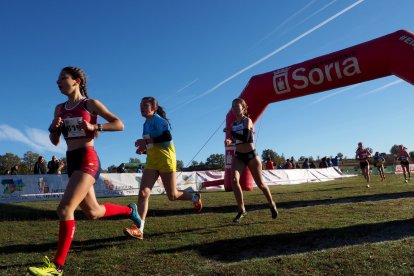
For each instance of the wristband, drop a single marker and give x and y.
(100, 127)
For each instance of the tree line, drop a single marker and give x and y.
(213, 162)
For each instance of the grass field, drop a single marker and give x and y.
(333, 228)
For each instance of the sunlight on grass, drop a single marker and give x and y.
(333, 228)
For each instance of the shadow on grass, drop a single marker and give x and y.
(235, 250)
(281, 205)
(14, 212)
(77, 246)
(10, 212)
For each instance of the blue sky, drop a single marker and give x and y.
(195, 57)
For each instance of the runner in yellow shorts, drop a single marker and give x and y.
(161, 162)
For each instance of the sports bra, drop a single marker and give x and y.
(240, 133)
(71, 117)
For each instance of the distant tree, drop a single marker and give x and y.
(395, 150)
(193, 167)
(412, 155)
(340, 155)
(369, 149)
(302, 158)
(180, 165)
(135, 160)
(27, 162)
(65, 168)
(311, 158)
(7, 161)
(202, 166)
(215, 162)
(276, 158)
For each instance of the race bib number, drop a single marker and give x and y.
(73, 128)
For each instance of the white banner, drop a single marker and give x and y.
(297, 176)
(15, 188)
(398, 169)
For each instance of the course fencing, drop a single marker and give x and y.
(18, 188)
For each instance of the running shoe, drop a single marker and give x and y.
(274, 211)
(134, 232)
(134, 215)
(198, 205)
(239, 216)
(49, 269)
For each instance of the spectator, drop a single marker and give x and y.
(139, 168)
(305, 164)
(14, 170)
(121, 168)
(40, 166)
(292, 160)
(328, 162)
(53, 165)
(323, 163)
(312, 165)
(335, 161)
(270, 165)
(288, 165)
(61, 166)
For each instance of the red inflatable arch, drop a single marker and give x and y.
(392, 54)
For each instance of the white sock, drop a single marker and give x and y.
(142, 226)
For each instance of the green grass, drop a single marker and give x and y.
(333, 228)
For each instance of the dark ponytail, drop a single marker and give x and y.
(160, 111)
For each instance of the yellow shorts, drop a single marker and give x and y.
(161, 158)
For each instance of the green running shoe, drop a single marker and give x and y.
(49, 269)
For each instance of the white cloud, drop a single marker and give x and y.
(331, 94)
(379, 89)
(36, 139)
(274, 52)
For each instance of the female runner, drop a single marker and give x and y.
(245, 156)
(77, 119)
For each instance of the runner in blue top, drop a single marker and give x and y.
(379, 163)
(161, 162)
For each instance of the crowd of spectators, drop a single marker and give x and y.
(306, 163)
(54, 166)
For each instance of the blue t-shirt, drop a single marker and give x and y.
(155, 127)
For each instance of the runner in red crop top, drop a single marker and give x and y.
(71, 128)
(77, 120)
(404, 158)
(362, 155)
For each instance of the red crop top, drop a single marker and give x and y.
(71, 117)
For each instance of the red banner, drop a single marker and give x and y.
(392, 54)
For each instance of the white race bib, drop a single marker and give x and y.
(73, 128)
